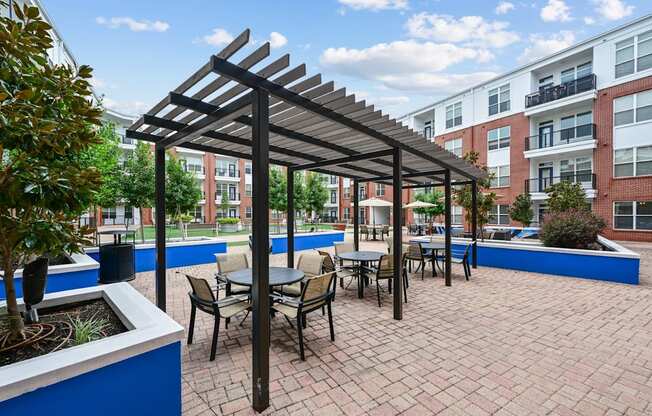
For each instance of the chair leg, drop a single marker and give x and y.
(216, 333)
(423, 269)
(191, 327)
(304, 321)
(300, 334)
(330, 321)
(405, 284)
(378, 292)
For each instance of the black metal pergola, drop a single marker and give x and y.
(267, 113)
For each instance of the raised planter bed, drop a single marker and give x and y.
(617, 264)
(137, 372)
(83, 271)
(306, 241)
(178, 253)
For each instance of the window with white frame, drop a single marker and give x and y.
(347, 213)
(333, 197)
(454, 146)
(198, 214)
(248, 168)
(499, 215)
(454, 115)
(427, 129)
(498, 138)
(633, 215)
(634, 161)
(362, 191)
(456, 214)
(109, 213)
(247, 212)
(580, 71)
(333, 179)
(632, 109)
(248, 191)
(380, 189)
(634, 54)
(576, 170)
(499, 176)
(499, 99)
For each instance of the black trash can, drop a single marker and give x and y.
(117, 263)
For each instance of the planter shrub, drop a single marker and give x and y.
(574, 228)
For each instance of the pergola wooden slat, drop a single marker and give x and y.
(285, 118)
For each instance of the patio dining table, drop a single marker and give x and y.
(432, 247)
(361, 259)
(278, 276)
(375, 231)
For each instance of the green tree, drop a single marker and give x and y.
(316, 192)
(47, 123)
(182, 192)
(566, 195)
(521, 210)
(138, 184)
(300, 193)
(434, 197)
(463, 195)
(104, 156)
(277, 192)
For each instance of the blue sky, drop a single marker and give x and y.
(398, 54)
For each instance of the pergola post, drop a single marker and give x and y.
(474, 223)
(447, 225)
(260, 250)
(290, 217)
(356, 215)
(159, 189)
(397, 237)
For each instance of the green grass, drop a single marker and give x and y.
(173, 232)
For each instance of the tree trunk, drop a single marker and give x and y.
(142, 229)
(16, 326)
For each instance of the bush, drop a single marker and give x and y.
(228, 220)
(574, 228)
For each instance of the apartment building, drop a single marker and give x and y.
(582, 115)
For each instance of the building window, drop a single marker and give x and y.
(500, 176)
(499, 215)
(571, 74)
(333, 180)
(635, 108)
(427, 129)
(635, 161)
(363, 192)
(198, 214)
(333, 214)
(456, 214)
(380, 189)
(361, 216)
(498, 138)
(633, 215)
(333, 197)
(347, 213)
(499, 100)
(346, 192)
(454, 146)
(454, 115)
(108, 213)
(546, 81)
(248, 189)
(248, 212)
(634, 54)
(576, 170)
(248, 168)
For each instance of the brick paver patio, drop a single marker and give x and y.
(505, 343)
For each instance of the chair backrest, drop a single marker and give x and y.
(227, 263)
(201, 289)
(390, 244)
(385, 267)
(329, 265)
(344, 248)
(311, 264)
(317, 288)
(460, 253)
(414, 250)
(385, 229)
(364, 229)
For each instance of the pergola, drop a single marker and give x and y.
(283, 117)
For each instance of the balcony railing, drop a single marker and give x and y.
(560, 137)
(232, 197)
(195, 169)
(556, 92)
(227, 173)
(127, 140)
(586, 180)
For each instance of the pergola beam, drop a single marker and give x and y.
(347, 159)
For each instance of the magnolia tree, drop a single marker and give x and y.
(182, 192)
(485, 199)
(47, 123)
(521, 209)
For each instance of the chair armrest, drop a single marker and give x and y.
(284, 299)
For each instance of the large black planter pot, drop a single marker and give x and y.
(35, 276)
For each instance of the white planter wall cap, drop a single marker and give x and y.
(307, 234)
(198, 241)
(148, 327)
(80, 262)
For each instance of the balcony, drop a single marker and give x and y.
(537, 186)
(227, 174)
(198, 170)
(233, 198)
(127, 140)
(576, 92)
(560, 141)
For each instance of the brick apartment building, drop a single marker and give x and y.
(583, 114)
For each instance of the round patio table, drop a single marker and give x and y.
(278, 276)
(433, 247)
(362, 258)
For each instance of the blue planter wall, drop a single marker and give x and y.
(59, 282)
(146, 384)
(306, 242)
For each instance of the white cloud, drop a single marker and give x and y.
(541, 45)
(588, 20)
(132, 107)
(504, 7)
(374, 5)
(408, 65)
(133, 24)
(276, 40)
(556, 11)
(613, 9)
(219, 37)
(474, 30)
(97, 82)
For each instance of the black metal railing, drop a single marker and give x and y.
(586, 180)
(556, 92)
(227, 173)
(560, 137)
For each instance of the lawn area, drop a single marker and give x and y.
(173, 232)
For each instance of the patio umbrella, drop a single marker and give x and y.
(419, 204)
(374, 202)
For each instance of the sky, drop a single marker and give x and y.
(400, 55)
